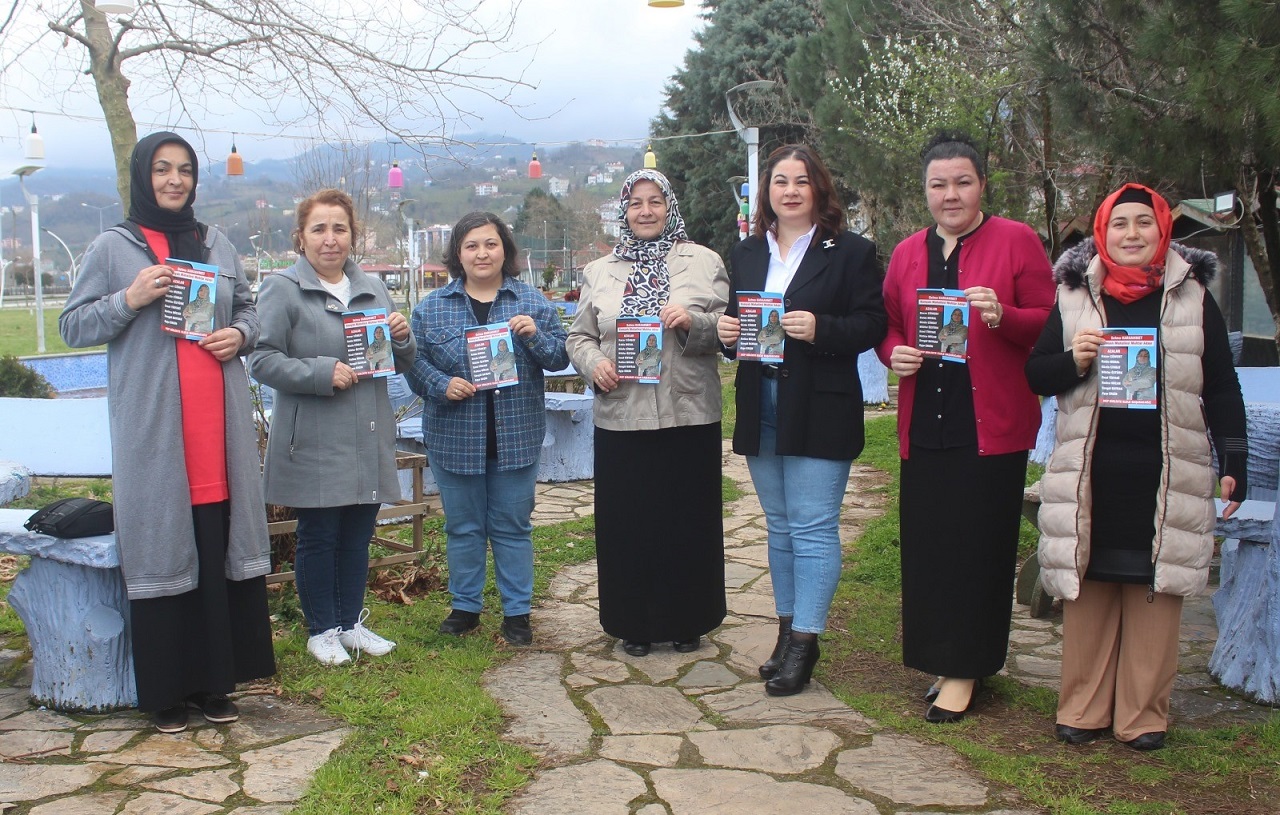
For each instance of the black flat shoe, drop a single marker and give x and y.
(771, 665)
(460, 622)
(940, 715)
(635, 649)
(796, 669)
(216, 707)
(931, 695)
(171, 719)
(686, 646)
(1078, 735)
(1147, 741)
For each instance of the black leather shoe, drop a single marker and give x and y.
(1078, 735)
(940, 715)
(796, 669)
(686, 646)
(1147, 741)
(635, 649)
(171, 719)
(771, 665)
(216, 707)
(516, 630)
(460, 622)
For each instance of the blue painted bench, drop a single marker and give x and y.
(72, 600)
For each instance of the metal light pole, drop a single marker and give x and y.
(53, 235)
(2, 263)
(750, 135)
(412, 288)
(33, 201)
(100, 210)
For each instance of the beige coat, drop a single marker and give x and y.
(1184, 519)
(689, 392)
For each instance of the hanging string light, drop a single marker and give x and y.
(535, 166)
(235, 162)
(666, 4)
(35, 142)
(650, 158)
(395, 176)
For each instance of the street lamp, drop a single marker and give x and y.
(100, 211)
(53, 235)
(750, 135)
(409, 248)
(33, 201)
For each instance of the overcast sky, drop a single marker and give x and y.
(600, 67)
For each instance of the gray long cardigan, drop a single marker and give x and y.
(327, 448)
(149, 474)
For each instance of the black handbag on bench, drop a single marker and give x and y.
(73, 518)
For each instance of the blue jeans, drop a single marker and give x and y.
(801, 501)
(331, 565)
(494, 509)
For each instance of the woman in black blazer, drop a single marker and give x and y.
(800, 421)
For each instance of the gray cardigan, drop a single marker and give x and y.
(149, 474)
(327, 448)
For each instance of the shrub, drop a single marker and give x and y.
(17, 379)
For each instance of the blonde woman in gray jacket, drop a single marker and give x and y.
(331, 452)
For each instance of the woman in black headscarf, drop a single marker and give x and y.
(186, 477)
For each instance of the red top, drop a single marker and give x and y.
(1006, 256)
(203, 410)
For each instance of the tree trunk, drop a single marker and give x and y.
(1262, 241)
(113, 94)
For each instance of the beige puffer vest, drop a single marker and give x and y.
(1184, 519)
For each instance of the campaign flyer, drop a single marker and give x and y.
(1127, 366)
(760, 317)
(639, 349)
(491, 356)
(368, 337)
(189, 302)
(942, 324)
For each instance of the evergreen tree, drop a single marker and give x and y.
(744, 40)
(1185, 90)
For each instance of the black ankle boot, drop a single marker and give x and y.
(797, 667)
(771, 665)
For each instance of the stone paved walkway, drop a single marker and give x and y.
(666, 734)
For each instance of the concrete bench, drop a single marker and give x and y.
(72, 600)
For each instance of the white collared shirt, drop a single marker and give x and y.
(781, 272)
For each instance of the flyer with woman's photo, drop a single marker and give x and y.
(1127, 369)
(188, 309)
(491, 356)
(368, 339)
(942, 324)
(760, 317)
(639, 349)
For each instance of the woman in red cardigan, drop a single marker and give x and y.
(964, 426)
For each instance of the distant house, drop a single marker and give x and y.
(485, 188)
(609, 219)
(614, 167)
(559, 187)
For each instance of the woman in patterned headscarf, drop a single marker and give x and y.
(659, 538)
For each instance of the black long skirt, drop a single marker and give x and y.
(659, 532)
(959, 516)
(207, 639)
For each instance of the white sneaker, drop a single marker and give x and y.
(327, 647)
(359, 638)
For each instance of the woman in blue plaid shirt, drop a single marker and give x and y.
(483, 445)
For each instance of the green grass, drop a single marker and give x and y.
(18, 331)
(1204, 765)
(429, 737)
